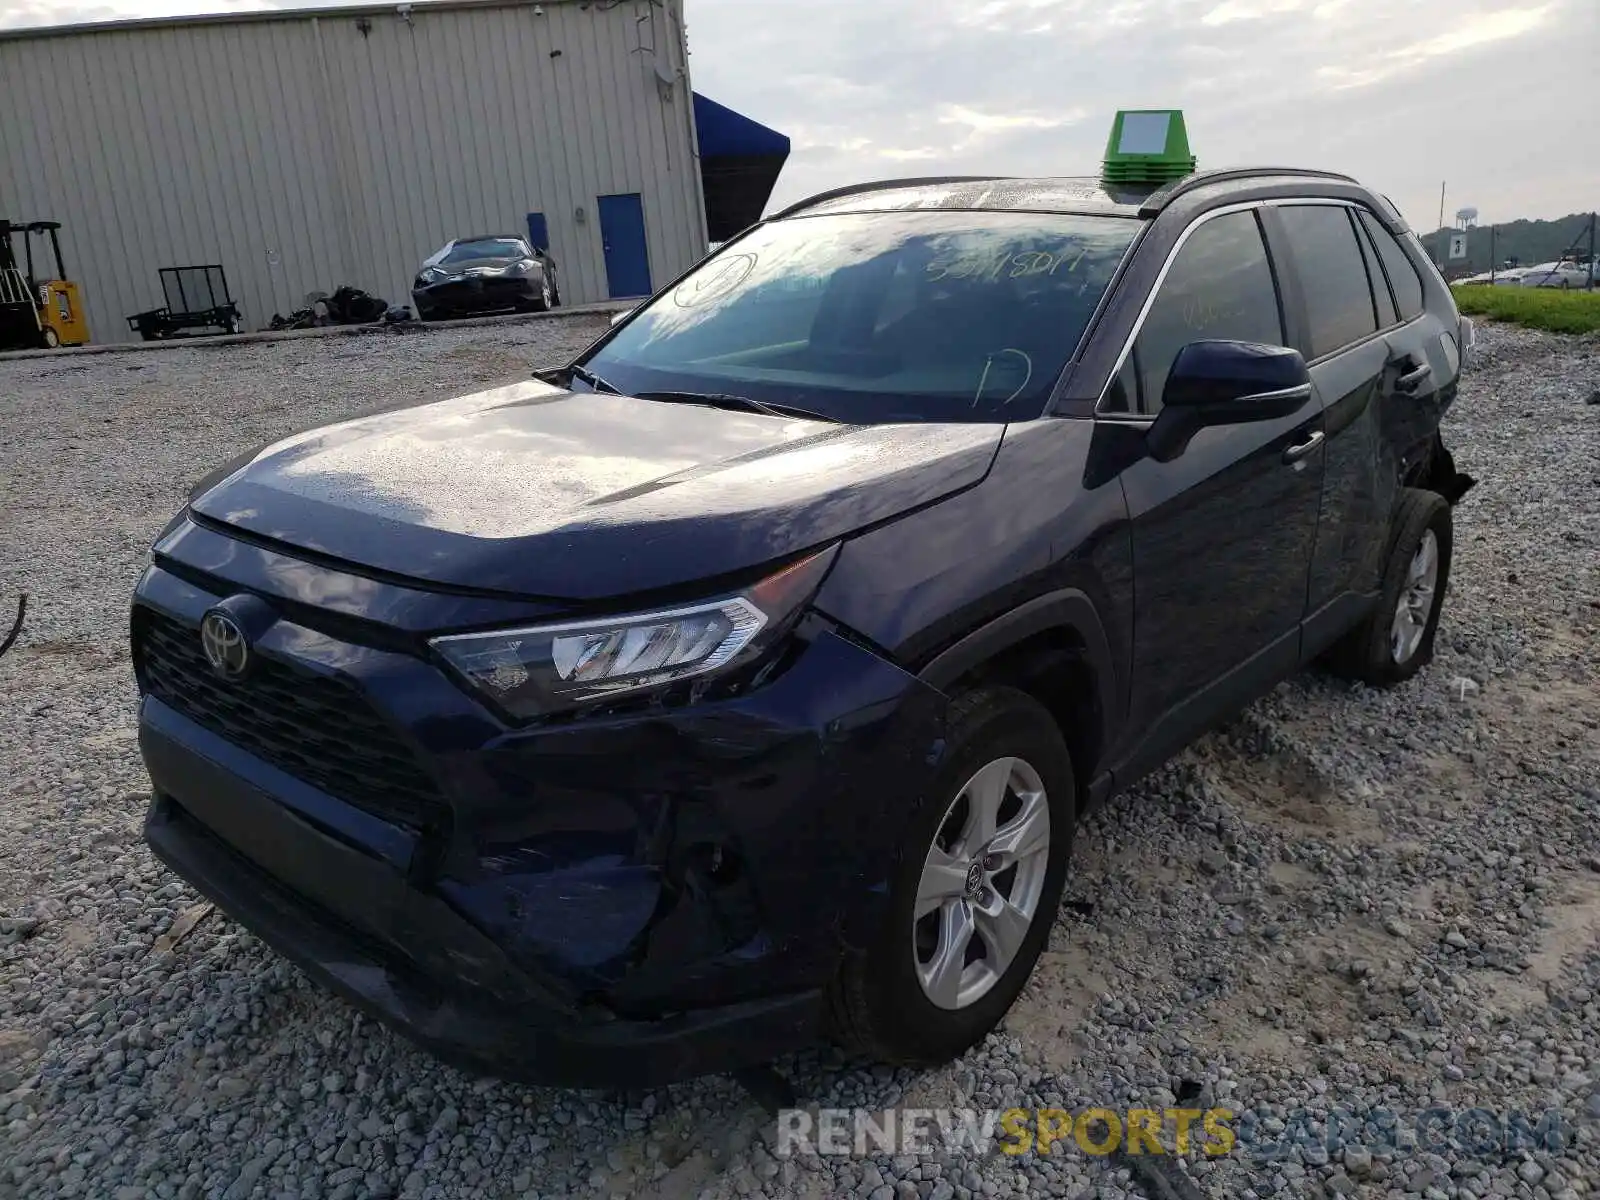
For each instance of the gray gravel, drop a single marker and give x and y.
(1347, 900)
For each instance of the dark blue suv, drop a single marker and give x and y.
(742, 683)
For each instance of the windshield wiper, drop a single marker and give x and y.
(593, 380)
(744, 403)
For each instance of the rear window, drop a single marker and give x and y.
(1397, 265)
(1334, 278)
(880, 317)
(1380, 288)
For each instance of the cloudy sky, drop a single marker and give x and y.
(1496, 98)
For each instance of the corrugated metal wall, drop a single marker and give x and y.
(314, 150)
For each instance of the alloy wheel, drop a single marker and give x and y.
(981, 883)
(1416, 599)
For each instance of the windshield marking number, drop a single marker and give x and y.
(1022, 264)
(1027, 361)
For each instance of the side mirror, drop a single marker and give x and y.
(1226, 383)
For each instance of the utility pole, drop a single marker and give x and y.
(1492, 259)
(1590, 286)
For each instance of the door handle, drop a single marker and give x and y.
(1408, 383)
(1298, 451)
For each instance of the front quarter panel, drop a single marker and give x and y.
(1040, 522)
(591, 850)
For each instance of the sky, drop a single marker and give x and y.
(1499, 100)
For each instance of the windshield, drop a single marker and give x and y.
(880, 317)
(484, 248)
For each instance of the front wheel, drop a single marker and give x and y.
(52, 339)
(975, 888)
(1396, 639)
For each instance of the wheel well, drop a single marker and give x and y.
(1053, 668)
(1435, 471)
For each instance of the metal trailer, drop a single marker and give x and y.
(197, 300)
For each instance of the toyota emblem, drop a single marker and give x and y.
(224, 644)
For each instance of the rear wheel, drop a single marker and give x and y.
(1396, 639)
(975, 888)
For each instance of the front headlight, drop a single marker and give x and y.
(545, 669)
(429, 275)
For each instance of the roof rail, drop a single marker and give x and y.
(856, 189)
(1161, 197)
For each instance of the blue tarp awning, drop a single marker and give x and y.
(727, 134)
(740, 160)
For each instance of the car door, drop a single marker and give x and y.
(1362, 358)
(1222, 534)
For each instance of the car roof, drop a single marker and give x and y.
(1066, 194)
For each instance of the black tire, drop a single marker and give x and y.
(545, 300)
(877, 1006)
(51, 338)
(1368, 651)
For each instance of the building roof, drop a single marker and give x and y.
(258, 16)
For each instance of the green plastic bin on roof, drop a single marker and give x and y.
(1148, 147)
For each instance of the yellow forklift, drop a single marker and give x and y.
(36, 311)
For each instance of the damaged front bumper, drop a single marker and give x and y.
(465, 296)
(621, 901)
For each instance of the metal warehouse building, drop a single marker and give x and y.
(308, 149)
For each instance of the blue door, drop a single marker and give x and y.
(538, 231)
(627, 251)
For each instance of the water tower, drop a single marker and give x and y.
(1466, 218)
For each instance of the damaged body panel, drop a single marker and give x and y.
(566, 877)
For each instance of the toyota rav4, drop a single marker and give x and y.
(741, 684)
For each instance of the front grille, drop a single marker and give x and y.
(488, 288)
(316, 728)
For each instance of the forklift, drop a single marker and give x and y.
(37, 312)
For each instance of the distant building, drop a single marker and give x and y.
(307, 149)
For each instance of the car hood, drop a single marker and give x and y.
(491, 266)
(543, 492)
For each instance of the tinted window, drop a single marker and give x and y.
(1122, 396)
(1332, 275)
(1403, 277)
(1380, 289)
(880, 317)
(1219, 287)
(485, 248)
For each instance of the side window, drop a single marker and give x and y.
(1403, 277)
(1220, 286)
(1380, 289)
(1122, 394)
(1333, 277)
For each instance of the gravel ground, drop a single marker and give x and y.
(1346, 901)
